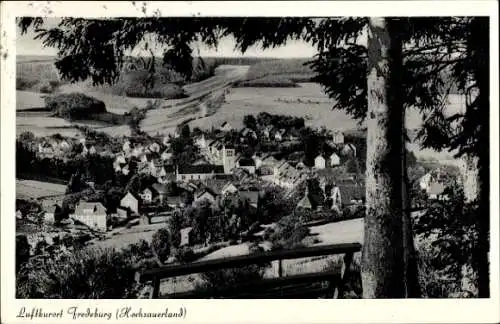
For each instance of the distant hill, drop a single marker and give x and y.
(278, 73)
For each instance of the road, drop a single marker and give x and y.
(175, 112)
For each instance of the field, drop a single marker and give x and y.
(282, 101)
(284, 73)
(36, 189)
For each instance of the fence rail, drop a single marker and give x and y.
(336, 281)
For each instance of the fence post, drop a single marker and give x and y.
(346, 266)
(156, 288)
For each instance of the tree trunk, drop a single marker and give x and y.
(383, 265)
(478, 47)
(412, 285)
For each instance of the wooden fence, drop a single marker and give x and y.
(296, 286)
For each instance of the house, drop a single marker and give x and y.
(147, 195)
(349, 150)
(125, 170)
(186, 236)
(226, 127)
(311, 201)
(247, 164)
(205, 194)
(304, 203)
(126, 146)
(198, 172)
(167, 154)
(278, 136)
(144, 158)
(257, 160)
(161, 191)
(154, 147)
(92, 214)
(266, 133)
(120, 159)
(229, 189)
(338, 137)
(45, 149)
(319, 162)
(88, 149)
(334, 160)
(131, 202)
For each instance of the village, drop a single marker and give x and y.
(239, 175)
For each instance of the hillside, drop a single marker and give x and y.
(282, 73)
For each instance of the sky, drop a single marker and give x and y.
(26, 45)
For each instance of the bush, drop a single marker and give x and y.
(185, 255)
(86, 274)
(74, 105)
(161, 244)
(23, 83)
(226, 278)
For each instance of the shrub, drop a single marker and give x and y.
(22, 250)
(24, 83)
(86, 274)
(185, 255)
(74, 105)
(161, 244)
(225, 278)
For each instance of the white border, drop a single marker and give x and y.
(231, 311)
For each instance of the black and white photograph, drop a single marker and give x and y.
(229, 157)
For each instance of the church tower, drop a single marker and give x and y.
(228, 158)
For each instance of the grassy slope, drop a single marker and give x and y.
(278, 73)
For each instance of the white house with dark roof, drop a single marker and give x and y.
(205, 194)
(319, 162)
(147, 195)
(334, 160)
(130, 201)
(338, 137)
(160, 190)
(92, 214)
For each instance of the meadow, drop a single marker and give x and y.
(278, 73)
(281, 101)
(37, 189)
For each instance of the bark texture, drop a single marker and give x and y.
(478, 45)
(383, 259)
